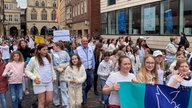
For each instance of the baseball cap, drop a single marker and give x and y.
(156, 53)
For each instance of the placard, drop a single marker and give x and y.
(63, 35)
(39, 39)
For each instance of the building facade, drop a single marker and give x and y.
(41, 16)
(62, 15)
(83, 17)
(157, 19)
(1, 18)
(12, 18)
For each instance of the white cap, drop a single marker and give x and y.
(142, 37)
(157, 52)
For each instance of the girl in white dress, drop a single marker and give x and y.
(75, 75)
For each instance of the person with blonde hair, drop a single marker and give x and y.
(115, 66)
(14, 71)
(158, 55)
(148, 71)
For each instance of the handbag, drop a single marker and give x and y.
(186, 43)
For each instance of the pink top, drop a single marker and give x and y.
(15, 72)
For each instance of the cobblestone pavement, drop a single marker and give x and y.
(28, 100)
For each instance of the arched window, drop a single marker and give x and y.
(53, 15)
(36, 3)
(33, 14)
(54, 4)
(43, 14)
(43, 4)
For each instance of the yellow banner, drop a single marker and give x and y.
(39, 39)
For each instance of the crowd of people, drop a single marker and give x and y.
(71, 68)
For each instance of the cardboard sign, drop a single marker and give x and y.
(63, 35)
(39, 39)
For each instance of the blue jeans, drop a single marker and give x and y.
(87, 84)
(64, 94)
(56, 90)
(6, 60)
(16, 91)
(3, 100)
(104, 97)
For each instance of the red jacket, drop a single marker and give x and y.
(3, 80)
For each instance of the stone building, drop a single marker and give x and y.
(83, 17)
(1, 18)
(62, 15)
(41, 16)
(12, 18)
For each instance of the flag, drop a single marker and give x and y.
(58, 12)
(153, 96)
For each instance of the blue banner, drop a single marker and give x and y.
(153, 96)
(122, 22)
(169, 19)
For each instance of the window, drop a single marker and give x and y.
(54, 4)
(69, 12)
(169, 17)
(6, 6)
(10, 6)
(120, 22)
(53, 15)
(150, 19)
(16, 18)
(82, 8)
(186, 22)
(43, 4)
(36, 3)
(10, 17)
(73, 11)
(111, 2)
(85, 6)
(111, 22)
(33, 14)
(104, 23)
(79, 8)
(43, 14)
(135, 20)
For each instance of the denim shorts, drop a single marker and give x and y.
(41, 88)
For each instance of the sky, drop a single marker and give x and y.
(22, 3)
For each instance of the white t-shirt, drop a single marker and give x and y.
(46, 73)
(113, 79)
(160, 75)
(185, 83)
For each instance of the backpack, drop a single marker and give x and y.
(186, 43)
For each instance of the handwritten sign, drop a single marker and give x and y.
(63, 35)
(39, 39)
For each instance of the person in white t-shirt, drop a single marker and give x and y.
(104, 70)
(111, 87)
(157, 54)
(183, 79)
(5, 51)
